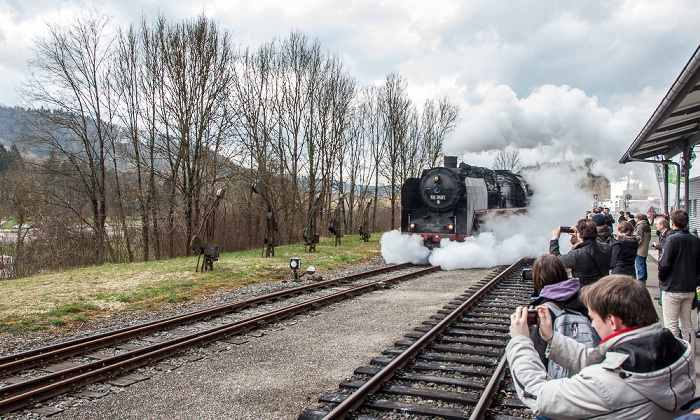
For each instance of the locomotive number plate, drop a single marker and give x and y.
(438, 197)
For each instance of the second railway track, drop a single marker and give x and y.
(33, 376)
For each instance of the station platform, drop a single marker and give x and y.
(653, 287)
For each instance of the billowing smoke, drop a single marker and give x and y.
(557, 201)
(552, 124)
(398, 248)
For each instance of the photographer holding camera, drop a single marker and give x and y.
(589, 260)
(555, 290)
(638, 371)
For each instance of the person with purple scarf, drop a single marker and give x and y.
(553, 286)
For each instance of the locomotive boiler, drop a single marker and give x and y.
(452, 201)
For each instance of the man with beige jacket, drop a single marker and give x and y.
(642, 230)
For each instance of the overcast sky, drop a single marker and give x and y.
(560, 80)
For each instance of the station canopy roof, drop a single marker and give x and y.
(675, 124)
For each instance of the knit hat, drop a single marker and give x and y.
(599, 219)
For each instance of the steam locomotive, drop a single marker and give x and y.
(452, 202)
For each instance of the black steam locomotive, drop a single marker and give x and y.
(451, 201)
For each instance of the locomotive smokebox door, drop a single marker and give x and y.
(441, 189)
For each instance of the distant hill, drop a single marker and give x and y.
(11, 125)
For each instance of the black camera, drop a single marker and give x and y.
(532, 317)
(565, 229)
(527, 274)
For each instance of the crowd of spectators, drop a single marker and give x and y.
(641, 368)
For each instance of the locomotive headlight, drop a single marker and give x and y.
(450, 226)
(436, 178)
(412, 226)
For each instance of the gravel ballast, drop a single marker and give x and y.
(280, 373)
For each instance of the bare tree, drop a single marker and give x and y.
(397, 112)
(508, 159)
(128, 75)
(69, 72)
(20, 193)
(154, 122)
(335, 93)
(373, 132)
(197, 67)
(437, 121)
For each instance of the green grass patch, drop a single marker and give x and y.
(72, 308)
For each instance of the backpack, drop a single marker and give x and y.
(575, 325)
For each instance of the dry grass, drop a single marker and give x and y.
(57, 299)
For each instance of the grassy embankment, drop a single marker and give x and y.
(52, 301)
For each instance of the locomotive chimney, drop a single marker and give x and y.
(450, 161)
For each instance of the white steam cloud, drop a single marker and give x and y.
(557, 201)
(552, 124)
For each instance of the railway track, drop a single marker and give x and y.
(453, 367)
(33, 376)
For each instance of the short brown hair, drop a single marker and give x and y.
(622, 296)
(680, 219)
(548, 269)
(625, 227)
(587, 229)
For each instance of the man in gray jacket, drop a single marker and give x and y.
(639, 371)
(589, 259)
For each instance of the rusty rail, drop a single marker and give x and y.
(52, 354)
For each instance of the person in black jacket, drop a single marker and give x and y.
(679, 266)
(589, 260)
(624, 250)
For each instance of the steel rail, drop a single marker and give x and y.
(357, 398)
(51, 354)
(484, 403)
(21, 394)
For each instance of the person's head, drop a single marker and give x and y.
(622, 213)
(622, 296)
(599, 219)
(625, 228)
(606, 210)
(680, 219)
(547, 269)
(587, 229)
(662, 223)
